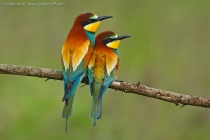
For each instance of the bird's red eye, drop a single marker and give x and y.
(89, 20)
(109, 40)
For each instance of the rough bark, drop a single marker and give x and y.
(126, 87)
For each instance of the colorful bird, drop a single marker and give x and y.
(103, 69)
(75, 56)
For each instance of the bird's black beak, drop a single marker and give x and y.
(123, 37)
(104, 17)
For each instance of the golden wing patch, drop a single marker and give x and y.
(79, 54)
(116, 68)
(65, 57)
(111, 61)
(92, 61)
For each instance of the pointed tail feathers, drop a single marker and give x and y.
(67, 109)
(96, 109)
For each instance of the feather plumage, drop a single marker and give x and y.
(75, 56)
(102, 70)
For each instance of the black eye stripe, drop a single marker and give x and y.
(93, 20)
(108, 40)
(88, 21)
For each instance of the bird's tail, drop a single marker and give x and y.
(96, 109)
(67, 109)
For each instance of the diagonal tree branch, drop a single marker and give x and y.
(126, 87)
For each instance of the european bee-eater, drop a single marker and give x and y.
(103, 68)
(75, 56)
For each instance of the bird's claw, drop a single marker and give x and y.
(49, 79)
(83, 85)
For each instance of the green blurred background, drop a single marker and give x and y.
(169, 49)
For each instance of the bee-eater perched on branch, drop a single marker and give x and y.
(75, 56)
(103, 68)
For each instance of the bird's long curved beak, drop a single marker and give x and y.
(123, 37)
(104, 17)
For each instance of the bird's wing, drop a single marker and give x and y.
(78, 54)
(112, 64)
(65, 61)
(111, 61)
(91, 72)
(73, 68)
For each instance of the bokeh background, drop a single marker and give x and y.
(169, 49)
